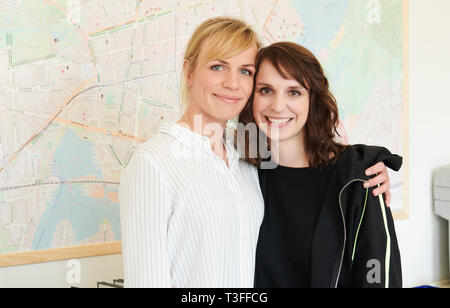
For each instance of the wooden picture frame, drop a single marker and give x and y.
(57, 254)
(405, 211)
(109, 248)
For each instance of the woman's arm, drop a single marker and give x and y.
(144, 214)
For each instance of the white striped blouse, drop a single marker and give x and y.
(188, 220)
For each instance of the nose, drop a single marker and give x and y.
(231, 81)
(278, 104)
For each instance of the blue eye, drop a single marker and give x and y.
(247, 72)
(217, 68)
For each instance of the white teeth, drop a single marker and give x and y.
(278, 121)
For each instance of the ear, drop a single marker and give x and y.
(187, 71)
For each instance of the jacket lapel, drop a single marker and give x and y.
(328, 240)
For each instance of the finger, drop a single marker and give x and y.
(388, 199)
(377, 168)
(383, 189)
(381, 178)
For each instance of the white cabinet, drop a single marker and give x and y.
(441, 195)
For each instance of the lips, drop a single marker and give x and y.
(228, 99)
(278, 121)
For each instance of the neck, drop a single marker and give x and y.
(290, 153)
(206, 126)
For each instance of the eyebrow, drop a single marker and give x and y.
(263, 84)
(225, 62)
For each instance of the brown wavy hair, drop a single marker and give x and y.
(294, 61)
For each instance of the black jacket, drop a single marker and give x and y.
(355, 244)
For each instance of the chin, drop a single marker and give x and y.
(277, 139)
(227, 114)
(224, 116)
(283, 136)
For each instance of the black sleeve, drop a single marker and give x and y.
(375, 258)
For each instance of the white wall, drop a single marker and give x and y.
(423, 238)
(53, 274)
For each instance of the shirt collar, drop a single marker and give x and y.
(185, 136)
(194, 140)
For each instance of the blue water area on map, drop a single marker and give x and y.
(74, 159)
(322, 19)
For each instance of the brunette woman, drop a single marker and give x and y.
(321, 227)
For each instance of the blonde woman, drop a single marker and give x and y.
(190, 209)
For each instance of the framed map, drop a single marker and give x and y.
(83, 82)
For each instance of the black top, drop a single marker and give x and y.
(293, 201)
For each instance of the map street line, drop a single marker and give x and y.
(8, 188)
(46, 124)
(104, 131)
(264, 29)
(85, 37)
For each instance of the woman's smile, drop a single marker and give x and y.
(279, 122)
(228, 99)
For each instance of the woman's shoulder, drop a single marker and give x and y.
(156, 145)
(367, 155)
(155, 151)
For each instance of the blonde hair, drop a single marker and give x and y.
(216, 38)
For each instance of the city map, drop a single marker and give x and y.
(83, 82)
